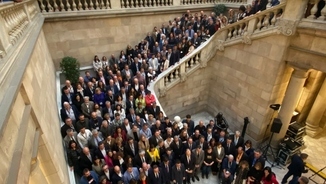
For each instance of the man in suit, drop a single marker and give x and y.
(189, 144)
(86, 159)
(135, 66)
(176, 146)
(142, 157)
(87, 107)
(202, 143)
(131, 148)
(237, 139)
(199, 159)
(67, 96)
(82, 122)
(155, 175)
(221, 138)
(126, 125)
(68, 125)
(229, 167)
(105, 129)
(190, 122)
(131, 173)
(134, 133)
(130, 103)
(155, 138)
(132, 117)
(108, 109)
(188, 161)
(117, 176)
(256, 157)
(154, 110)
(95, 122)
(196, 41)
(109, 142)
(89, 91)
(178, 173)
(71, 136)
(166, 170)
(296, 168)
(107, 172)
(101, 151)
(96, 138)
(69, 111)
(126, 71)
(229, 147)
(240, 155)
(88, 177)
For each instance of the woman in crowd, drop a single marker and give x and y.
(122, 56)
(119, 133)
(127, 161)
(269, 177)
(98, 110)
(97, 64)
(80, 90)
(121, 111)
(99, 97)
(231, 17)
(249, 10)
(140, 99)
(105, 62)
(101, 85)
(118, 147)
(209, 160)
(143, 143)
(154, 154)
(191, 47)
(242, 13)
(109, 159)
(255, 174)
(119, 101)
(248, 148)
(118, 160)
(130, 51)
(97, 165)
(78, 101)
(242, 172)
(183, 136)
(73, 155)
(224, 21)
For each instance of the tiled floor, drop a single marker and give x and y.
(315, 147)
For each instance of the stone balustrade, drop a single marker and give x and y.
(145, 3)
(75, 5)
(14, 19)
(317, 11)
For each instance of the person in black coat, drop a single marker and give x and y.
(229, 147)
(138, 159)
(237, 139)
(176, 146)
(155, 175)
(166, 170)
(86, 158)
(188, 160)
(296, 168)
(131, 148)
(178, 173)
(116, 175)
(256, 157)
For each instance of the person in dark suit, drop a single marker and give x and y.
(189, 144)
(191, 123)
(143, 156)
(108, 109)
(155, 175)
(69, 111)
(131, 148)
(256, 157)
(154, 110)
(89, 91)
(155, 138)
(202, 143)
(101, 151)
(199, 155)
(296, 168)
(188, 160)
(229, 147)
(229, 167)
(166, 170)
(135, 66)
(130, 104)
(178, 173)
(89, 176)
(176, 146)
(221, 137)
(68, 125)
(247, 147)
(240, 156)
(67, 96)
(86, 159)
(237, 139)
(116, 175)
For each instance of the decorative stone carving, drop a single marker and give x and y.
(287, 27)
(246, 38)
(183, 77)
(162, 92)
(203, 64)
(220, 45)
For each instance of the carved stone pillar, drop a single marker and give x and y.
(290, 101)
(316, 113)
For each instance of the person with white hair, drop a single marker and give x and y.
(177, 119)
(228, 167)
(237, 139)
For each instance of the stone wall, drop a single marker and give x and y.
(85, 38)
(188, 97)
(34, 110)
(245, 80)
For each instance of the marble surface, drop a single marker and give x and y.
(315, 147)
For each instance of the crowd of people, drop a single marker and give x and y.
(115, 133)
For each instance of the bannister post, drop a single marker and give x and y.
(252, 26)
(115, 4)
(176, 2)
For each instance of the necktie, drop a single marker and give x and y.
(190, 146)
(188, 159)
(143, 159)
(90, 157)
(254, 162)
(178, 169)
(131, 175)
(167, 168)
(236, 141)
(133, 149)
(156, 175)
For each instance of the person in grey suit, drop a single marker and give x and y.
(95, 139)
(71, 136)
(105, 129)
(219, 156)
(131, 173)
(178, 173)
(134, 133)
(87, 107)
(199, 155)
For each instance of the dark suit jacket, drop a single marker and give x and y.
(128, 105)
(92, 123)
(204, 146)
(64, 98)
(106, 110)
(297, 165)
(98, 153)
(89, 92)
(230, 150)
(63, 113)
(260, 159)
(178, 175)
(240, 142)
(133, 67)
(155, 112)
(138, 162)
(186, 146)
(177, 151)
(191, 164)
(153, 179)
(84, 162)
(115, 178)
(166, 173)
(64, 129)
(128, 150)
(244, 157)
(232, 168)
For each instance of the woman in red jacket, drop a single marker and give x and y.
(269, 177)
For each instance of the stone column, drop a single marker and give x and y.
(290, 101)
(316, 113)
